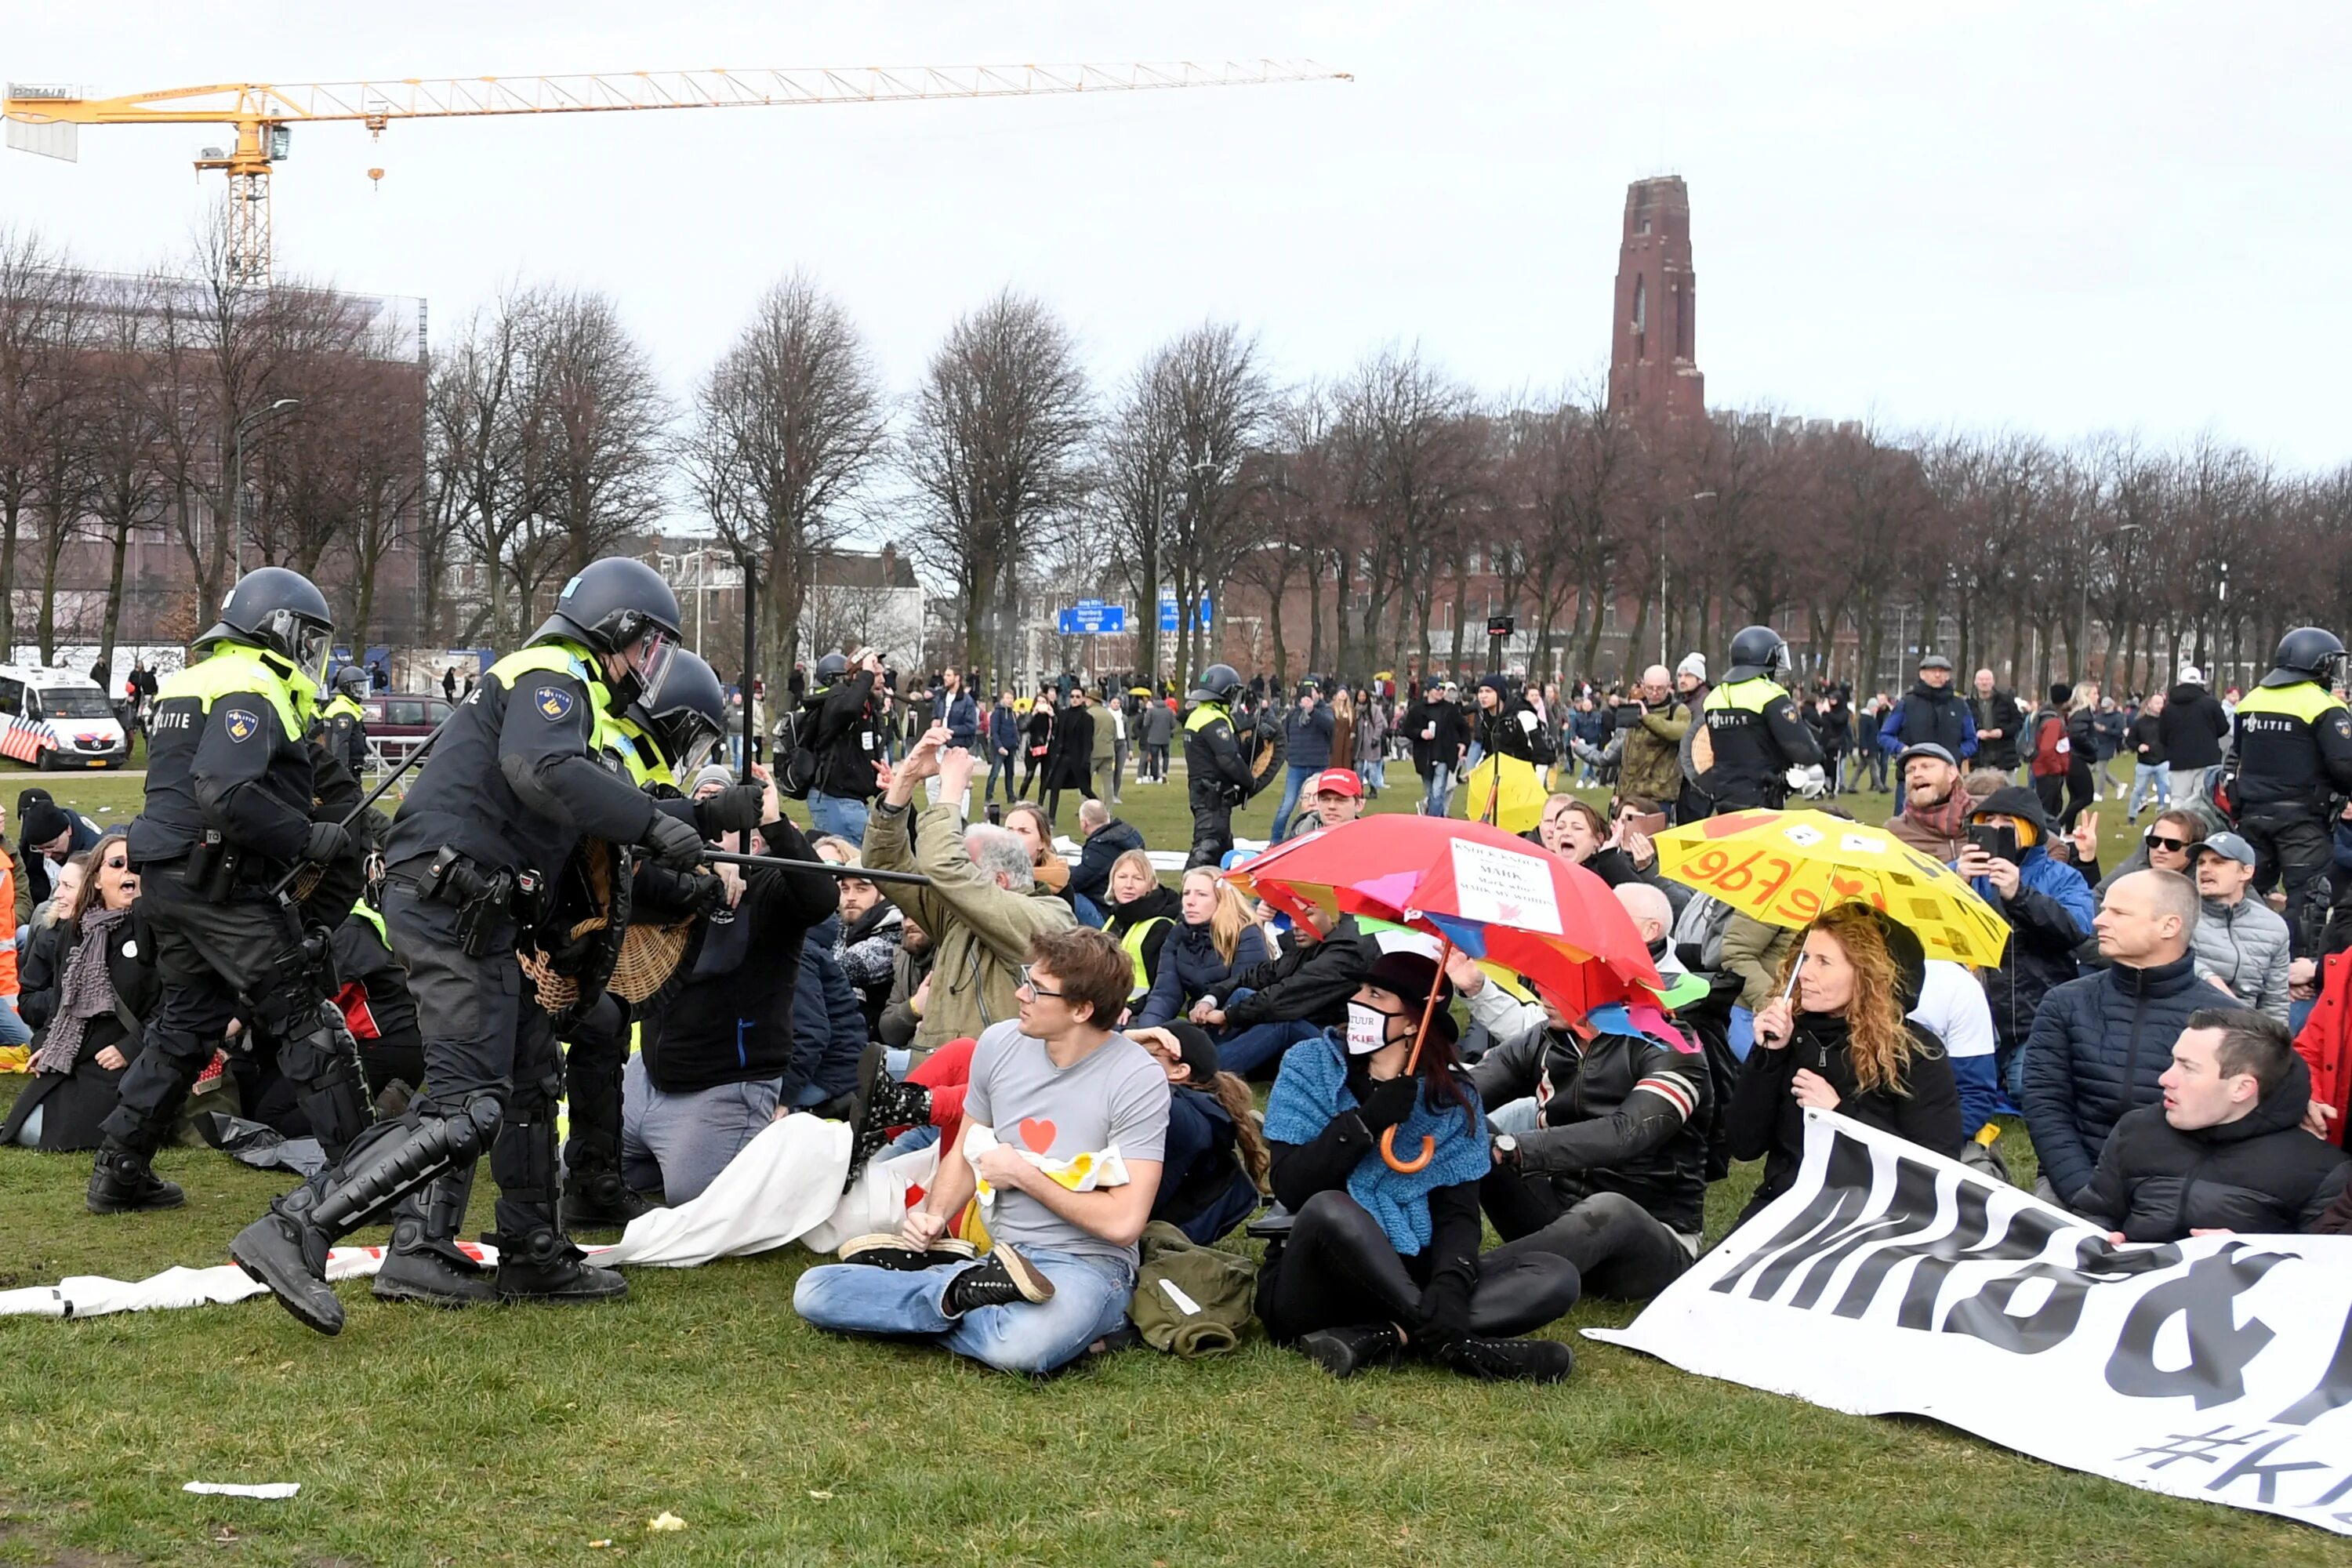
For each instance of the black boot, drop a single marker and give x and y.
(882, 1103)
(122, 1182)
(597, 1199)
(286, 1249)
(543, 1266)
(1000, 1279)
(1344, 1352)
(1506, 1361)
(425, 1262)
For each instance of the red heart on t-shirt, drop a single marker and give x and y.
(1038, 1135)
(914, 1194)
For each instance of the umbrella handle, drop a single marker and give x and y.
(1406, 1167)
(1388, 1136)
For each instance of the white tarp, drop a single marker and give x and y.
(784, 1185)
(1891, 1280)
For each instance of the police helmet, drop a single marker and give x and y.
(351, 680)
(832, 668)
(1758, 650)
(282, 611)
(1218, 683)
(620, 605)
(2306, 653)
(692, 717)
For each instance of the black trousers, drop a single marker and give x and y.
(2292, 847)
(1339, 1268)
(594, 1057)
(209, 956)
(1621, 1249)
(483, 1034)
(1212, 836)
(1033, 767)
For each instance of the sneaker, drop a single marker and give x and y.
(1508, 1361)
(120, 1181)
(888, 1249)
(1000, 1279)
(1344, 1352)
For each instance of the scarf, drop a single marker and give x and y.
(1311, 1092)
(84, 992)
(1948, 820)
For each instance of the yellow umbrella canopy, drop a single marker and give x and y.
(1519, 801)
(1784, 868)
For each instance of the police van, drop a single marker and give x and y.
(58, 719)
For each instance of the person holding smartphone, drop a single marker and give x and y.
(2047, 904)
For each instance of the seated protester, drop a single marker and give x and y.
(1139, 915)
(1612, 1176)
(51, 836)
(2169, 845)
(47, 945)
(866, 946)
(2240, 943)
(716, 1042)
(2100, 1044)
(1756, 955)
(910, 973)
(1333, 797)
(1578, 834)
(1027, 821)
(1845, 1045)
(1951, 1006)
(106, 985)
(2226, 1150)
(1108, 839)
(1935, 816)
(2048, 907)
(1212, 1177)
(829, 1032)
(1305, 989)
(1054, 1084)
(1379, 1261)
(1215, 941)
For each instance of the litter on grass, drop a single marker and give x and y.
(272, 1490)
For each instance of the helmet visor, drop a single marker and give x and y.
(694, 740)
(651, 658)
(307, 642)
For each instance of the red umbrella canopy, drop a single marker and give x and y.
(1493, 896)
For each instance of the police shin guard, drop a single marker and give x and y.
(425, 1262)
(329, 1083)
(286, 1249)
(537, 1262)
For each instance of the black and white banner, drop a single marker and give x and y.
(1892, 1280)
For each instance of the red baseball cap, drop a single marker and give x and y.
(1339, 781)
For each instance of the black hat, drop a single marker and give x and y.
(45, 822)
(28, 798)
(1195, 1049)
(1413, 976)
(2061, 694)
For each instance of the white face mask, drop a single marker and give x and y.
(1368, 1029)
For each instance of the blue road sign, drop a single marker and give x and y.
(1168, 611)
(1091, 618)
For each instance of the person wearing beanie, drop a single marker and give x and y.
(2045, 901)
(1379, 1261)
(1216, 1160)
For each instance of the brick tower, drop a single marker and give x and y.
(1654, 349)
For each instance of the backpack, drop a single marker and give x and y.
(797, 765)
(2051, 750)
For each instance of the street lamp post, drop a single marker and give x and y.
(237, 472)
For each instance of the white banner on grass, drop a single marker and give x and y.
(1891, 1280)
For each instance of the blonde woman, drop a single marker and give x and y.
(1215, 941)
(1843, 1044)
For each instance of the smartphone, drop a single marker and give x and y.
(995, 813)
(1997, 839)
(1652, 824)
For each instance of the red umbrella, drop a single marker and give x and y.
(1476, 889)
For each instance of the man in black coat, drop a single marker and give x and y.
(1439, 734)
(1998, 719)
(2192, 727)
(2227, 1149)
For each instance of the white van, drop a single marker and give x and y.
(58, 718)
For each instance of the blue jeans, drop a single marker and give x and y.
(13, 1030)
(1293, 779)
(839, 814)
(1000, 766)
(1244, 1050)
(2155, 780)
(1441, 790)
(1090, 1298)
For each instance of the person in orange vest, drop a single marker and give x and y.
(13, 1030)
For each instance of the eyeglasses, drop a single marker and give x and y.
(118, 863)
(1029, 983)
(2156, 841)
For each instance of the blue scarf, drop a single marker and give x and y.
(1311, 1092)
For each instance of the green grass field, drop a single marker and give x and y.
(531, 1436)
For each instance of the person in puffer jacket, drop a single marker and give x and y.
(2047, 905)
(2100, 1044)
(2240, 940)
(828, 1028)
(2227, 1149)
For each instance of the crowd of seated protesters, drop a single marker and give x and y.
(91, 979)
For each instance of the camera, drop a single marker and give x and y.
(1501, 626)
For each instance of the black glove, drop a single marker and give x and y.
(328, 843)
(1390, 1102)
(672, 843)
(705, 893)
(735, 809)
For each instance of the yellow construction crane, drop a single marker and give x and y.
(46, 120)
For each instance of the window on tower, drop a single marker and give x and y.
(1641, 318)
(1686, 312)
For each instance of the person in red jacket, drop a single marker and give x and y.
(2326, 1046)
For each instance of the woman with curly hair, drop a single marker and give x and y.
(1843, 1044)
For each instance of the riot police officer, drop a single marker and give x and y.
(1753, 731)
(1219, 775)
(509, 791)
(233, 786)
(345, 721)
(2292, 746)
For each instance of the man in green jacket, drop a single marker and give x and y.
(984, 904)
(1652, 762)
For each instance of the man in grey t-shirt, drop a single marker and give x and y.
(1061, 1269)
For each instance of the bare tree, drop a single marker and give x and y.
(483, 445)
(125, 437)
(604, 426)
(996, 454)
(44, 315)
(788, 429)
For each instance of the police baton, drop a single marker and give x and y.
(416, 755)
(822, 868)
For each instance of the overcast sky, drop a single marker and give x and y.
(2047, 216)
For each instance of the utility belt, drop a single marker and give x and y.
(481, 898)
(215, 870)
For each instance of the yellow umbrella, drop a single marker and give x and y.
(1520, 803)
(1784, 868)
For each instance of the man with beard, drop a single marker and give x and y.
(1930, 713)
(1935, 816)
